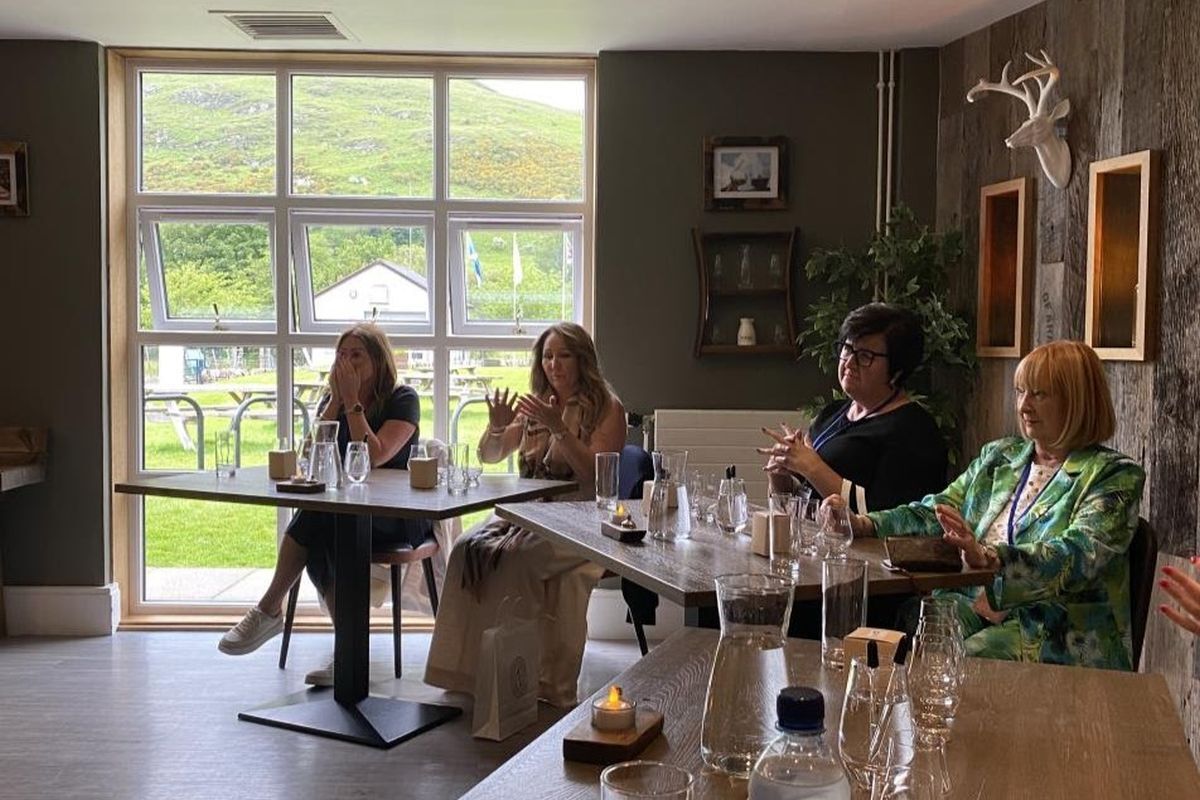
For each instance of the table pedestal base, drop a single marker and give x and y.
(376, 721)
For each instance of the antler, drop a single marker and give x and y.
(1046, 76)
(1015, 89)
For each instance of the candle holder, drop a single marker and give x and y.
(616, 730)
(620, 526)
(614, 712)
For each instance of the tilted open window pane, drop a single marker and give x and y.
(211, 133)
(362, 270)
(362, 136)
(519, 139)
(209, 273)
(514, 279)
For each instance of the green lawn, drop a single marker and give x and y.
(191, 533)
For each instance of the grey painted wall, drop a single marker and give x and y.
(654, 109)
(52, 312)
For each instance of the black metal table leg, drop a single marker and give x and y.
(352, 714)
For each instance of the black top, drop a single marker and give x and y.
(896, 458)
(404, 405)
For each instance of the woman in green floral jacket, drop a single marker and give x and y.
(1052, 513)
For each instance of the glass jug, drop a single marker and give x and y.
(670, 467)
(748, 671)
(324, 464)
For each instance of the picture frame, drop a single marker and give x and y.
(14, 179)
(745, 173)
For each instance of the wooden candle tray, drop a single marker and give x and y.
(590, 746)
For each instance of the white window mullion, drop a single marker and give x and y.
(439, 275)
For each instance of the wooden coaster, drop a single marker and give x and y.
(300, 487)
(590, 746)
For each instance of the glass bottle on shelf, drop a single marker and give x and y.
(775, 270)
(744, 281)
(716, 333)
(779, 336)
(718, 273)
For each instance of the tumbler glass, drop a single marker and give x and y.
(645, 779)
(843, 605)
(358, 462)
(607, 471)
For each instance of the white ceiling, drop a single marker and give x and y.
(524, 26)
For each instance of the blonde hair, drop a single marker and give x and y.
(594, 394)
(379, 349)
(1071, 372)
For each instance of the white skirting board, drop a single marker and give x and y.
(62, 610)
(606, 618)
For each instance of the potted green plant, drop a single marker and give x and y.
(906, 264)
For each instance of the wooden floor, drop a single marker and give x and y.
(154, 715)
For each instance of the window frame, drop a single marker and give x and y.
(285, 334)
(460, 325)
(305, 317)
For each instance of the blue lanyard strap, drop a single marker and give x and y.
(1016, 498)
(842, 422)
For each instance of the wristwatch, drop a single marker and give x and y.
(357, 408)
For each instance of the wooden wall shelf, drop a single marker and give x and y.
(1121, 315)
(1006, 225)
(745, 275)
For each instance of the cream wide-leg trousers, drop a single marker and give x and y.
(555, 586)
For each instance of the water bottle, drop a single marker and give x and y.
(799, 763)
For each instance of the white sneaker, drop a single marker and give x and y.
(322, 676)
(251, 633)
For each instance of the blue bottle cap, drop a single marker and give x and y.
(801, 709)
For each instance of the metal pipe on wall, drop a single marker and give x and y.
(891, 113)
(879, 84)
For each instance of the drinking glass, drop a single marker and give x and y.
(843, 605)
(779, 544)
(607, 466)
(304, 450)
(419, 450)
(223, 454)
(836, 533)
(697, 495)
(457, 475)
(939, 615)
(670, 471)
(933, 680)
(876, 729)
(358, 462)
(804, 526)
(908, 783)
(857, 725)
(645, 779)
(730, 513)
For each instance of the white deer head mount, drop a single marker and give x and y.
(1038, 131)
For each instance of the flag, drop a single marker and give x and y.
(473, 259)
(518, 274)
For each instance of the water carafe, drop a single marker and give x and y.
(324, 464)
(670, 467)
(748, 671)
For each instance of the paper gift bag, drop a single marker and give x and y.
(506, 685)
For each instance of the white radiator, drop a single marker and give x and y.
(716, 438)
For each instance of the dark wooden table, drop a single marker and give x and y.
(683, 571)
(1022, 730)
(353, 714)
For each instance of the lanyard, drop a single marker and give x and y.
(843, 421)
(1012, 509)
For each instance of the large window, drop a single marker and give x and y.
(272, 204)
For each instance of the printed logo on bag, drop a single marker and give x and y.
(519, 676)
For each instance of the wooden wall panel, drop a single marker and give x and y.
(1129, 68)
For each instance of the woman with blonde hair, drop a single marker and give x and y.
(364, 398)
(1051, 512)
(570, 415)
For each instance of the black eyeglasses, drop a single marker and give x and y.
(844, 351)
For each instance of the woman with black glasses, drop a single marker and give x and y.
(878, 449)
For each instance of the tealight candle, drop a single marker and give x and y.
(614, 712)
(619, 515)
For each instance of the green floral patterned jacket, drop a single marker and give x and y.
(1065, 580)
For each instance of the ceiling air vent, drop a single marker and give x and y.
(285, 25)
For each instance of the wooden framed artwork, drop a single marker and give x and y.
(1005, 269)
(745, 173)
(1121, 311)
(14, 179)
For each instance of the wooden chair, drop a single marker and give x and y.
(1143, 558)
(395, 557)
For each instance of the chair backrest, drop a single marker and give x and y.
(636, 467)
(1143, 557)
(435, 448)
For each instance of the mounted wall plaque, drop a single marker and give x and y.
(1121, 320)
(1005, 269)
